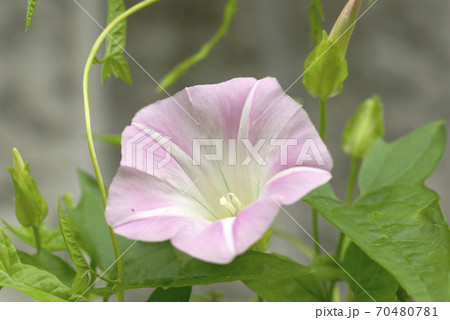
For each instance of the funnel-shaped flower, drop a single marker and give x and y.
(209, 167)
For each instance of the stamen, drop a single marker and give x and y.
(232, 203)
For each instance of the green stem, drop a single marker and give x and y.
(315, 214)
(316, 236)
(90, 140)
(37, 238)
(352, 180)
(95, 273)
(323, 118)
(350, 189)
(340, 252)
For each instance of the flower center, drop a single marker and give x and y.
(232, 203)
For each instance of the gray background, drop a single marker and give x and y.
(399, 50)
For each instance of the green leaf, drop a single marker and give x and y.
(402, 229)
(409, 160)
(50, 263)
(182, 294)
(113, 138)
(114, 60)
(36, 283)
(379, 283)
(181, 68)
(81, 281)
(30, 11)
(325, 269)
(295, 289)
(120, 68)
(157, 265)
(315, 13)
(363, 128)
(51, 239)
(89, 223)
(325, 71)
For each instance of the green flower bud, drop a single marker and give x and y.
(344, 25)
(363, 128)
(325, 68)
(31, 208)
(325, 71)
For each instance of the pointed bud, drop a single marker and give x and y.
(344, 25)
(363, 128)
(31, 207)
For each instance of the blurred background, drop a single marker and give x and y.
(399, 50)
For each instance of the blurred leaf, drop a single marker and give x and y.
(182, 294)
(81, 280)
(407, 161)
(325, 71)
(210, 296)
(302, 247)
(36, 283)
(51, 239)
(50, 263)
(68, 200)
(181, 68)
(379, 283)
(114, 60)
(113, 138)
(30, 11)
(295, 289)
(89, 223)
(315, 13)
(325, 269)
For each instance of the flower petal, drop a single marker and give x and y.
(289, 186)
(210, 242)
(252, 222)
(218, 107)
(134, 195)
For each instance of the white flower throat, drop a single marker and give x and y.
(232, 203)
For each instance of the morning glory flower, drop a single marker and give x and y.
(209, 167)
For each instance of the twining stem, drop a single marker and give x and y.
(90, 140)
(315, 214)
(37, 238)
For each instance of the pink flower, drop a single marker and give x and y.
(209, 167)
